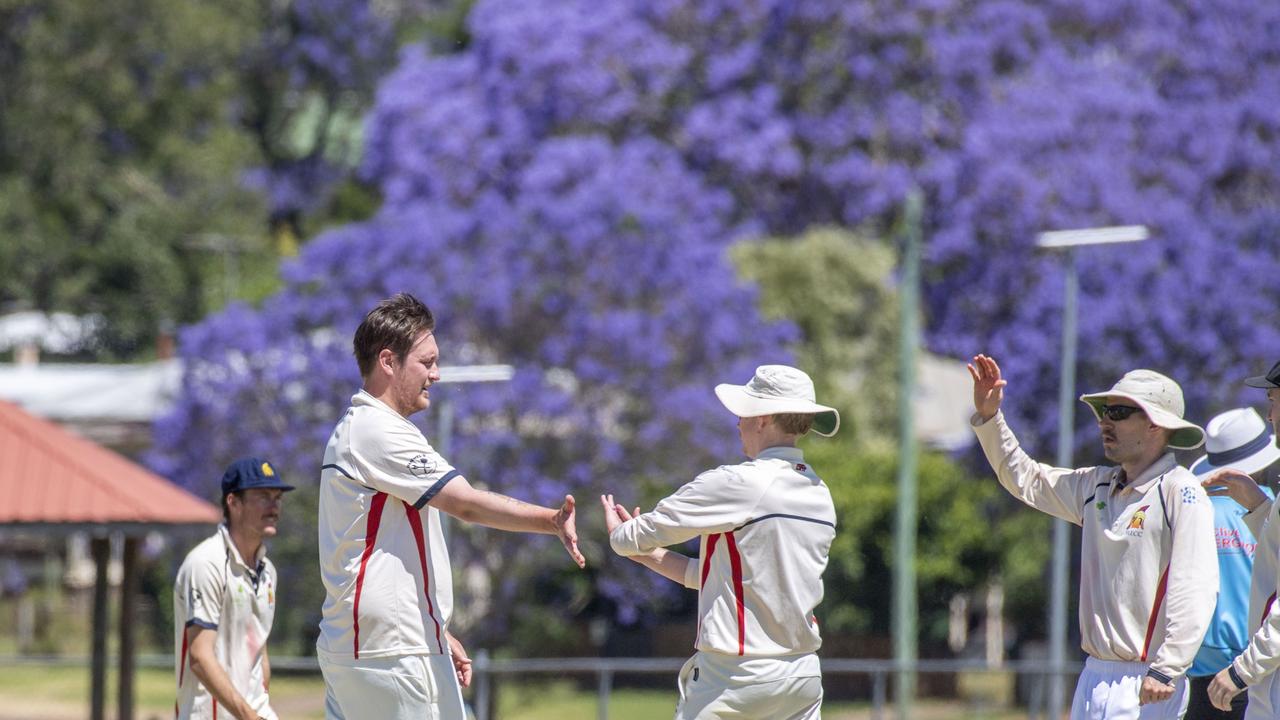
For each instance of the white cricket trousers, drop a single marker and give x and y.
(403, 687)
(714, 688)
(1108, 690)
(1264, 699)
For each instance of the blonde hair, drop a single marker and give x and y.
(794, 423)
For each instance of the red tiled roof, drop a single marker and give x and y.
(50, 475)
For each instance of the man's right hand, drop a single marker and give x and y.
(988, 387)
(1237, 486)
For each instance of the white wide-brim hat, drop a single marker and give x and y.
(1160, 398)
(775, 390)
(1237, 439)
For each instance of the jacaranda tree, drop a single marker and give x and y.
(563, 190)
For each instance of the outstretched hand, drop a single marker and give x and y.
(1237, 486)
(988, 386)
(615, 514)
(566, 529)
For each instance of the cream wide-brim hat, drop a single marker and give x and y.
(775, 390)
(1160, 398)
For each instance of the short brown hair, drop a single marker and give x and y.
(794, 423)
(392, 324)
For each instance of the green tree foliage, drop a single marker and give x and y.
(117, 156)
(836, 286)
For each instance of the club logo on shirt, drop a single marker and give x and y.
(1101, 504)
(422, 465)
(800, 467)
(1137, 522)
(1189, 496)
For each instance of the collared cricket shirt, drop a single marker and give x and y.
(216, 589)
(383, 561)
(765, 530)
(1148, 562)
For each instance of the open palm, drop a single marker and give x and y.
(988, 386)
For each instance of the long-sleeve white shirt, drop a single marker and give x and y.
(766, 528)
(1148, 564)
(1262, 656)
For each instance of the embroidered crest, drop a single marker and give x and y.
(1138, 521)
(1189, 496)
(422, 465)
(800, 467)
(1100, 504)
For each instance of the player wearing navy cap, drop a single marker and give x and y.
(225, 601)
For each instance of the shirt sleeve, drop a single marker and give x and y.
(200, 588)
(1262, 656)
(1192, 582)
(1256, 518)
(1059, 492)
(395, 458)
(718, 500)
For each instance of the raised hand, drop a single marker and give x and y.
(988, 386)
(567, 531)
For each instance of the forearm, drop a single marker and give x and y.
(668, 564)
(504, 513)
(210, 673)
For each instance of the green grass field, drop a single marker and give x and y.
(61, 693)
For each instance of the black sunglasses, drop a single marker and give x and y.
(1116, 413)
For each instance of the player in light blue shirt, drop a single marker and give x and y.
(1239, 439)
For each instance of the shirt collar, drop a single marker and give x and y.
(234, 551)
(364, 397)
(1143, 482)
(782, 452)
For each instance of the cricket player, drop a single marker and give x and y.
(1148, 563)
(765, 529)
(1237, 440)
(224, 602)
(1255, 668)
(385, 648)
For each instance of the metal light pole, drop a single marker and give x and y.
(444, 409)
(905, 524)
(1067, 241)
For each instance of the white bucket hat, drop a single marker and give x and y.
(1160, 398)
(1238, 439)
(778, 389)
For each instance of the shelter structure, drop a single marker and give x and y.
(54, 482)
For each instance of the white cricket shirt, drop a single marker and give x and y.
(1148, 562)
(217, 590)
(383, 561)
(1262, 656)
(766, 528)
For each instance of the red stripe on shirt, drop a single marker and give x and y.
(706, 559)
(370, 537)
(215, 710)
(415, 522)
(1266, 609)
(1155, 610)
(706, 568)
(735, 563)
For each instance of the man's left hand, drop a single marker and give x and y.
(461, 663)
(566, 529)
(1153, 691)
(1222, 689)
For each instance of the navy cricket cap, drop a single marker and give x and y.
(247, 473)
(1270, 380)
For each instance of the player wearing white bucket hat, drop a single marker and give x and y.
(766, 527)
(1148, 566)
(1239, 440)
(1255, 668)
